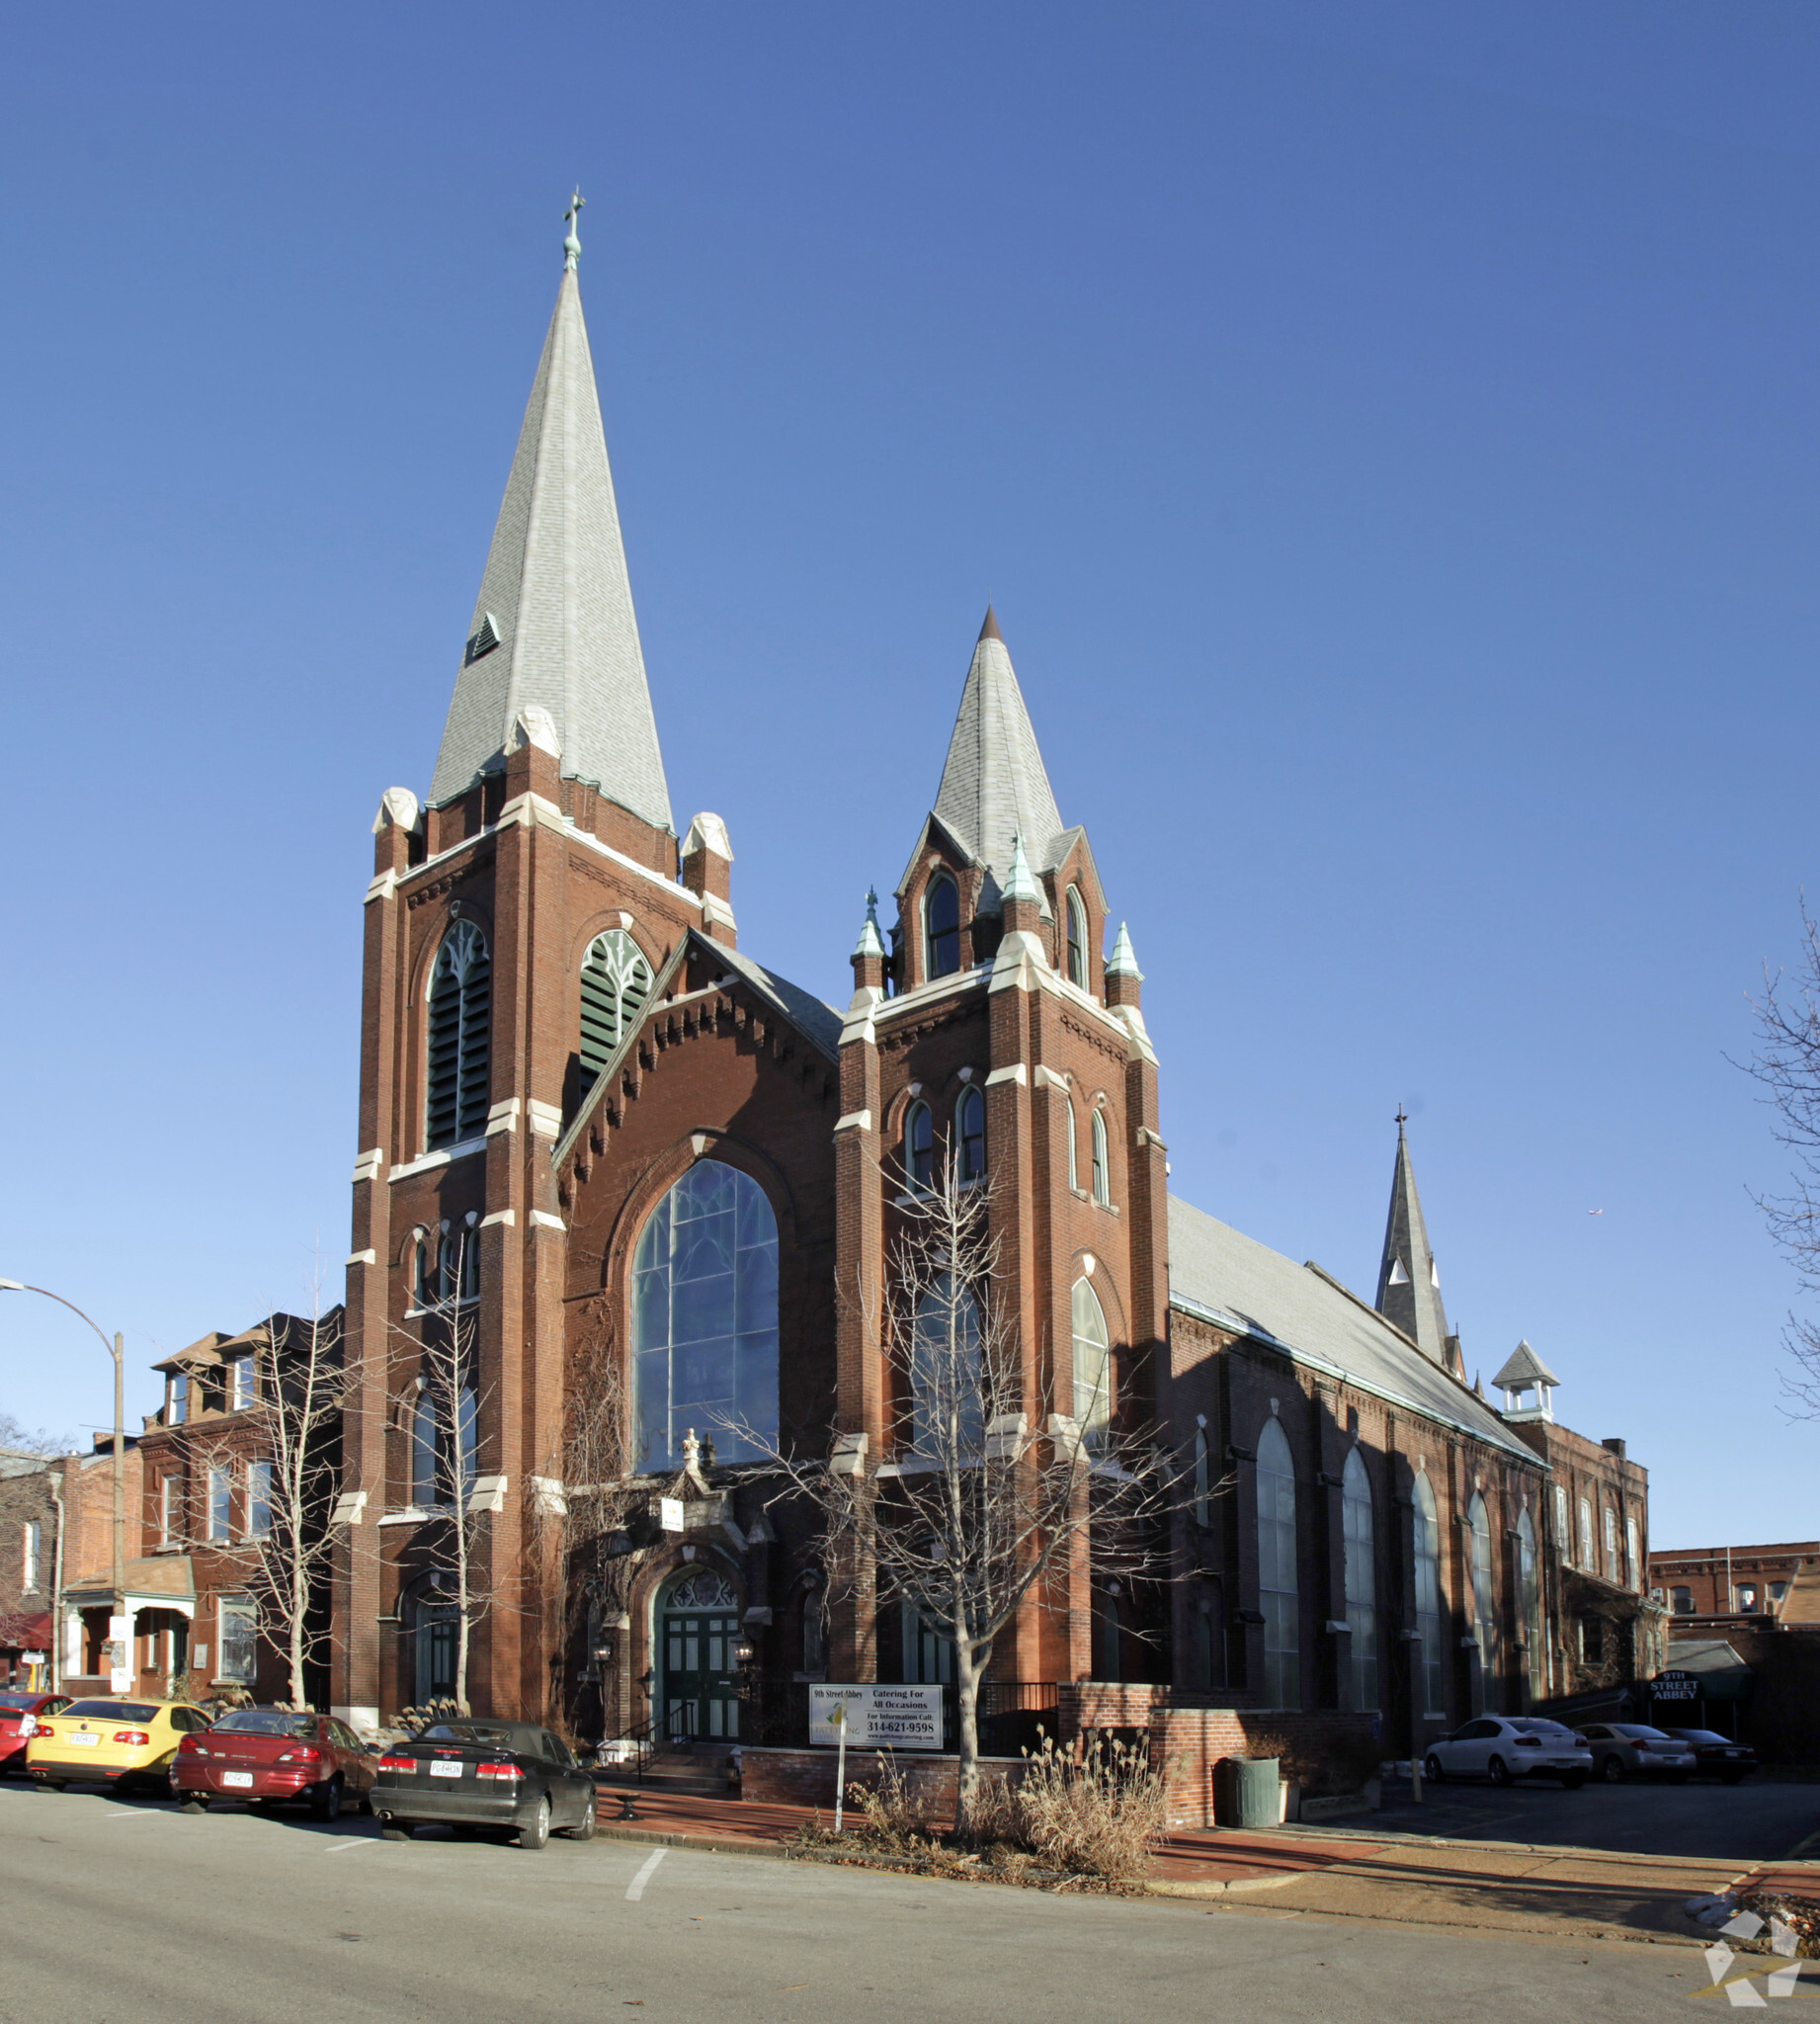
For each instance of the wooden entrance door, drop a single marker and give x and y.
(701, 1626)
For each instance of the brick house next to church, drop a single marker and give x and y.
(598, 1136)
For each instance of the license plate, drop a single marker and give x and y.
(236, 1778)
(86, 1743)
(442, 1768)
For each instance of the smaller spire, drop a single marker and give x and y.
(1122, 962)
(571, 246)
(870, 942)
(1018, 882)
(990, 630)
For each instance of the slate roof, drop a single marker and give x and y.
(820, 1023)
(1242, 1285)
(557, 595)
(994, 786)
(1524, 1369)
(1408, 1285)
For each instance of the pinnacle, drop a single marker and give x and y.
(990, 630)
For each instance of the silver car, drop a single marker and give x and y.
(1503, 1747)
(1625, 1750)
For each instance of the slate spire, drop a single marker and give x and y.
(1408, 1286)
(994, 787)
(554, 625)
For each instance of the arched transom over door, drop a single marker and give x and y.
(696, 1630)
(704, 1319)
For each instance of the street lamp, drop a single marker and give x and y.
(116, 1350)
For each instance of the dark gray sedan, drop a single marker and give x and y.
(476, 1775)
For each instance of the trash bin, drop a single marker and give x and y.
(1248, 1795)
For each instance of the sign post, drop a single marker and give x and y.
(839, 1718)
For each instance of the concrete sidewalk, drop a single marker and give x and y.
(1565, 1893)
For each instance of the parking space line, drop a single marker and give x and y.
(336, 1846)
(635, 1889)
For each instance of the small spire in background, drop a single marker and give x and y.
(1019, 883)
(1122, 962)
(571, 246)
(990, 630)
(872, 943)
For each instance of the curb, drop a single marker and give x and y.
(670, 1838)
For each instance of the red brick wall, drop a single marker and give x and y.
(806, 1777)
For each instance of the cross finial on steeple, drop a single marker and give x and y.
(1401, 1117)
(871, 905)
(571, 246)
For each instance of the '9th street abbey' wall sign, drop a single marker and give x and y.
(876, 1717)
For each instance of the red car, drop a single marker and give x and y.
(275, 1756)
(19, 1713)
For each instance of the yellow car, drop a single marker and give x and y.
(119, 1742)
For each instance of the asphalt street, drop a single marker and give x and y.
(1760, 1820)
(128, 1912)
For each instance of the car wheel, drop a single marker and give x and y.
(326, 1805)
(536, 1835)
(1571, 1781)
(1432, 1771)
(395, 1831)
(1500, 1771)
(1613, 1770)
(583, 1829)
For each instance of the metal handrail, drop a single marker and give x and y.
(644, 1739)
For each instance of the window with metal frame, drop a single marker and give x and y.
(1101, 1179)
(220, 1503)
(1278, 1592)
(237, 1641)
(1633, 1560)
(176, 1401)
(970, 1130)
(942, 926)
(170, 1509)
(460, 1066)
(1360, 1543)
(616, 981)
(1077, 939)
(1615, 1572)
(259, 1499)
(34, 1547)
(241, 1384)
(1589, 1559)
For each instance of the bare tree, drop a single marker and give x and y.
(33, 1441)
(283, 1442)
(1786, 1065)
(444, 1438)
(984, 1510)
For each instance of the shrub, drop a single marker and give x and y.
(892, 1816)
(1094, 1810)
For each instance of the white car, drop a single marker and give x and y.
(1502, 1747)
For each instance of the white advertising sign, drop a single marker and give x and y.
(119, 1680)
(669, 1513)
(876, 1717)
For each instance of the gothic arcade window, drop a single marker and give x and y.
(1092, 1363)
(447, 1262)
(1484, 1605)
(945, 1387)
(1529, 1595)
(458, 1082)
(1101, 1181)
(919, 1146)
(1427, 1530)
(1361, 1580)
(970, 1132)
(436, 1456)
(942, 926)
(616, 980)
(705, 1319)
(1077, 939)
(1277, 1595)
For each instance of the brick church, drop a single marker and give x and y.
(630, 1163)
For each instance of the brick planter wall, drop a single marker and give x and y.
(806, 1777)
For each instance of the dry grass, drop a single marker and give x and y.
(1096, 1811)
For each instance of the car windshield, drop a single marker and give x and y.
(285, 1722)
(496, 1735)
(20, 1700)
(115, 1711)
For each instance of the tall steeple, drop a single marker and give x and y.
(554, 625)
(1408, 1286)
(994, 789)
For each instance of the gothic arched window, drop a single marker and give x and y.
(1101, 1179)
(616, 980)
(944, 1375)
(970, 1132)
(1530, 1599)
(1074, 1144)
(919, 1146)
(942, 926)
(705, 1319)
(1427, 1530)
(1077, 939)
(1484, 1606)
(1361, 1580)
(1093, 1363)
(458, 1080)
(1278, 1591)
(439, 1458)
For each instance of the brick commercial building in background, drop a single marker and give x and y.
(619, 1163)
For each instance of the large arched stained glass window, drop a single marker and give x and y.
(1427, 1530)
(1278, 1588)
(616, 980)
(1361, 1580)
(460, 1028)
(1484, 1606)
(705, 1319)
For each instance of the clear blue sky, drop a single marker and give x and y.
(1388, 435)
